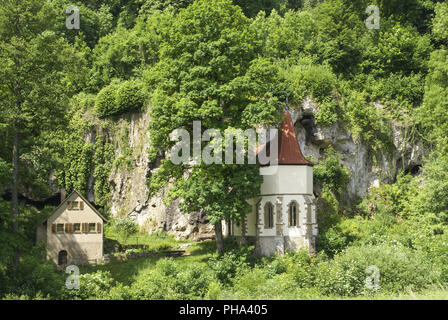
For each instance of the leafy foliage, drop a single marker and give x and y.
(118, 98)
(230, 65)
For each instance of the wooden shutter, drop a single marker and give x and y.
(68, 228)
(85, 227)
(98, 227)
(53, 227)
(69, 205)
(81, 205)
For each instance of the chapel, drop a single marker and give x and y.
(283, 216)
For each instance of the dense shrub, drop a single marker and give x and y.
(92, 286)
(124, 227)
(318, 82)
(281, 277)
(36, 276)
(331, 174)
(119, 98)
(332, 241)
(170, 281)
(400, 268)
(435, 248)
(229, 264)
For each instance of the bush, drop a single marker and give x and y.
(331, 174)
(119, 98)
(400, 268)
(308, 78)
(332, 241)
(124, 227)
(229, 264)
(169, 281)
(92, 286)
(37, 276)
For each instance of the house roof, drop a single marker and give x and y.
(289, 152)
(84, 199)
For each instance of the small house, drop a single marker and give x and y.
(73, 233)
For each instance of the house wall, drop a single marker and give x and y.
(288, 179)
(81, 247)
(288, 184)
(285, 184)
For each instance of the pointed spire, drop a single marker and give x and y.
(289, 152)
(288, 147)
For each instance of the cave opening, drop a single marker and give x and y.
(413, 170)
(307, 122)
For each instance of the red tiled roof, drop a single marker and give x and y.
(289, 152)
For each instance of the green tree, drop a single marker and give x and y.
(209, 71)
(440, 23)
(34, 86)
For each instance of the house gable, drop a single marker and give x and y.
(75, 196)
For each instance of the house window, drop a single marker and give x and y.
(75, 205)
(92, 227)
(60, 228)
(293, 220)
(268, 216)
(76, 227)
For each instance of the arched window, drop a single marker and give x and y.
(293, 214)
(268, 216)
(62, 257)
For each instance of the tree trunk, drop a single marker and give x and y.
(219, 238)
(15, 187)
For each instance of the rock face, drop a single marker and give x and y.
(130, 195)
(364, 172)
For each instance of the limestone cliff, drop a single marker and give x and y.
(129, 194)
(365, 172)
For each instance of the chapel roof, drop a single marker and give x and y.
(289, 152)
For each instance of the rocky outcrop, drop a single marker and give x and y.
(365, 172)
(130, 194)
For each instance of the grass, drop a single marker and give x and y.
(126, 272)
(134, 270)
(150, 242)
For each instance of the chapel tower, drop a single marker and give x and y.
(284, 215)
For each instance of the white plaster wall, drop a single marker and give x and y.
(236, 229)
(252, 218)
(288, 179)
